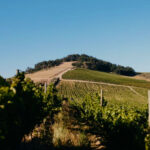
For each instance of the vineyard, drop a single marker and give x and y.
(113, 94)
(75, 75)
(71, 116)
(123, 118)
(123, 125)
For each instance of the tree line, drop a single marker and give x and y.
(85, 61)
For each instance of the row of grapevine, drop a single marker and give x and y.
(125, 126)
(78, 90)
(22, 106)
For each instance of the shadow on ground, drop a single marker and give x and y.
(36, 144)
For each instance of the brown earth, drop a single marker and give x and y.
(143, 76)
(47, 75)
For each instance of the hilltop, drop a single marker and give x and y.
(84, 61)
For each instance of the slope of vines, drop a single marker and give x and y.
(113, 94)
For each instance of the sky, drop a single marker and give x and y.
(32, 31)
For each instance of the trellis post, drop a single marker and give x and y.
(45, 87)
(149, 108)
(101, 103)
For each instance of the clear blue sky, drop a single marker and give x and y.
(35, 30)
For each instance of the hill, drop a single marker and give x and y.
(85, 61)
(78, 82)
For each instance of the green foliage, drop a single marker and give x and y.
(44, 65)
(123, 125)
(51, 100)
(147, 141)
(127, 71)
(22, 106)
(113, 94)
(3, 82)
(89, 107)
(89, 75)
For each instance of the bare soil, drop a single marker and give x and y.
(143, 76)
(48, 74)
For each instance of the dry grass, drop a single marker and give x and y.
(143, 76)
(64, 133)
(48, 74)
(65, 137)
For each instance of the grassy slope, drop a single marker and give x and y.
(90, 75)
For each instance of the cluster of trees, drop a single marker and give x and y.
(52, 63)
(92, 63)
(22, 106)
(44, 65)
(85, 61)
